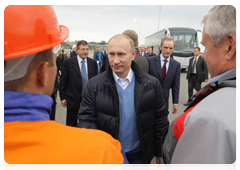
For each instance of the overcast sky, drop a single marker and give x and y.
(97, 23)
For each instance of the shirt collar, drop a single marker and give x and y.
(19, 106)
(216, 78)
(162, 58)
(196, 57)
(129, 76)
(80, 59)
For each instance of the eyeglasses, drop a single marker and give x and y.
(56, 49)
(83, 49)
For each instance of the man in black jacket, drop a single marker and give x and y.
(127, 103)
(197, 73)
(72, 80)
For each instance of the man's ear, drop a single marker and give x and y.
(42, 74)
(134, 54)
(160, 47)
(230, 46)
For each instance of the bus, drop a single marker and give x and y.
(185, 38)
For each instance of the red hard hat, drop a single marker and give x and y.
(30, 29)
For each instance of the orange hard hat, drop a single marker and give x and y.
(30, 29)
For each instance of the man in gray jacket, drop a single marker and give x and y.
(206, 132)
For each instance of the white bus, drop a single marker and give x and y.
(185, 38)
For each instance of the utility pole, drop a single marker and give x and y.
(159, 16)
(139, 29)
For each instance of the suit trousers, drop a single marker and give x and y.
(72, 117)
(193, 83)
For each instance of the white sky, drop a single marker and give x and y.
(101, 22)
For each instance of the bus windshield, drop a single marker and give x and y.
(185, 42)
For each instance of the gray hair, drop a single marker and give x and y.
(219, 22)
(168, 39)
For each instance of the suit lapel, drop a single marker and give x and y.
(198, 62)
(170, 69)
(158, 66)
(89, 67)
(191, 63)
(76, 66)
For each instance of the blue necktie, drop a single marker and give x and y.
(84, 74)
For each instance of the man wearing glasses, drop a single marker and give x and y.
(76, 71)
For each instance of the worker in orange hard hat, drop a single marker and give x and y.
(31, 43)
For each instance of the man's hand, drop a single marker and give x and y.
(206, 80)
(175, 109)
(158, 160)
(64, 103)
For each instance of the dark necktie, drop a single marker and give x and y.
(84, 74)
(194, 65)
(164, 71)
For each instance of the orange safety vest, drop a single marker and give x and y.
(49, 142)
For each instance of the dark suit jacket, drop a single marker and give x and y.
(201, 68)
(147, 55)
(59, 64)
(73, 53)
(172, 79)
(62, 57)
(71, 80)
(141, 61)
(105, 63)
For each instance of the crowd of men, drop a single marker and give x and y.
(117, 104)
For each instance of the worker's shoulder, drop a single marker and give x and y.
(218, 108)
(90, 136)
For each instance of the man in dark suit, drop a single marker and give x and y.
(167, 71)
(139, 59)
(62, 56)
(75, 73)
(149, 53)
(197, 73)
(73, 53)
(141, 50)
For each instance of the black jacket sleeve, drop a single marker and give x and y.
(86, 114)
(161, 120)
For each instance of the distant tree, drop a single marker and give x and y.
(102, 43)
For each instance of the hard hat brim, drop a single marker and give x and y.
(64, 33)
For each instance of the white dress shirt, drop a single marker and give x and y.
(80, 64)
(195, 68)
(162, 60)
(123, 82)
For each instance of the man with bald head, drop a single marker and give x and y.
(127, 103)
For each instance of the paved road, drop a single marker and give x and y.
(61, 112)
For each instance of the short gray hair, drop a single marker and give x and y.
(219, 22)
(168, 39)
